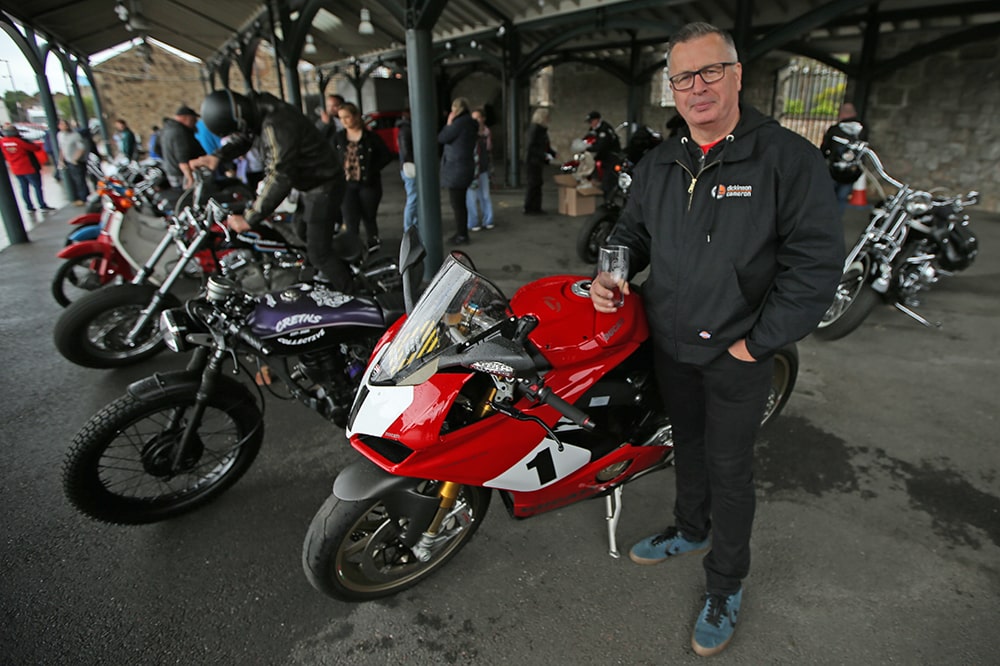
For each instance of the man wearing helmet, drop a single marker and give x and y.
(295, 156)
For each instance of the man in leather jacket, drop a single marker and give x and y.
(295, 155)
(737, 222)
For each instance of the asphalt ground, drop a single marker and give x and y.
(877, 538)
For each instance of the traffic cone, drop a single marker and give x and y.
(859, 193)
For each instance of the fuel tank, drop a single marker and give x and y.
(302, 317)
(569, 329)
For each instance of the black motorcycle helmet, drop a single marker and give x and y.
(225, 112)
(845, 166)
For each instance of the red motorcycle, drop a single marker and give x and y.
(541, 398)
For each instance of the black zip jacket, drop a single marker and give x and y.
(294, 153)
(746, 243)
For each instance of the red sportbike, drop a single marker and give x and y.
(540, 397)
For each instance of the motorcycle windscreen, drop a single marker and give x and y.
(458, 305)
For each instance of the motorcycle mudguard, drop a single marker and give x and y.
(86, 218)
(363, 480)
(85, 247)
(185, 382)
(87, 233)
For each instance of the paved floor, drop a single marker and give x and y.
(877, 537)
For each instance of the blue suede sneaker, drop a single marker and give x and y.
(661, 547)
(716, 624)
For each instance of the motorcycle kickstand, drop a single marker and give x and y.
(613, 507)
(910, 313)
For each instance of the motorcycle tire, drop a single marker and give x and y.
(594, 234)
(90, 331)
(75, 277)
(786, 371)
(117, 469)
(352, 552)
(854, 301)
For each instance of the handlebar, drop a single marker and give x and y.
(537, 391)
(245, 335)
(863, 149)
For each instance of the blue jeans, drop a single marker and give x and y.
(843, 192)
(480, 194)
(410, 208)
(35, 181)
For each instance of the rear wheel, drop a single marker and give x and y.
(76, 277)
(353, 550)
(786, 370)
(594, 234)
(852, 303)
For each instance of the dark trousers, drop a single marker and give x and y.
(532, 187)
(715, 411)
(77, 174)
(361, 206)
(316, 209)
(456, 195)
(35, 181)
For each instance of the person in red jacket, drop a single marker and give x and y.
(21, 156)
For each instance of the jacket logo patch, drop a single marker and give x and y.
(705, 335)
(725, 191)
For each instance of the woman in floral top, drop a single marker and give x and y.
(364, 155)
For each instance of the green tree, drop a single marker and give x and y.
(15, 101)
(65, 109)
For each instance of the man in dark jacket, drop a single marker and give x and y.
(606, 148)
(177, 146)
(407, 169)
(849, 127)
(295, 156)
(737, 222)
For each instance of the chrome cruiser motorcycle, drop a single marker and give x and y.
(177, 440)
(913, 239)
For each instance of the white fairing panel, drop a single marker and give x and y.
(382, 406)
(545, 465)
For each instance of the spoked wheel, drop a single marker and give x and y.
(77, 276)
(594, 234)
(786, 370)
(93, 331)
(122, 469)
(853, 302)
(353, 550)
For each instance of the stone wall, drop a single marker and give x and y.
(144, 94)
(936, 123)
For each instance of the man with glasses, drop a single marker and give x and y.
(737, 223)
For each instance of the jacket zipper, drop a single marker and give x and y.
(694, 178)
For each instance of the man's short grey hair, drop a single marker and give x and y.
(698, 29)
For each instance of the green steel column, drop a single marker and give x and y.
(423, 118)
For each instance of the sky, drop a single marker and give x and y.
(17, 66)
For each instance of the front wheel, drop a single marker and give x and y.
(353, 550)
(594, 234)
(852, 303)
(92, 331)
(121, 468)
(78, 276)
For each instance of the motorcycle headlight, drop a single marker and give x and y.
(919, 203)
(624, 181)
(174, 326)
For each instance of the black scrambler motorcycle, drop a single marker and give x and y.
(598, 226)
(913, 239)
(177, 440)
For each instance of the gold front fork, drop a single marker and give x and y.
(448, 493)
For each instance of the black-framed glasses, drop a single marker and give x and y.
(708, 74)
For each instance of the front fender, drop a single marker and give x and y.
(86, 218)
(86, 247)
(364, 480)
(181, 383)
